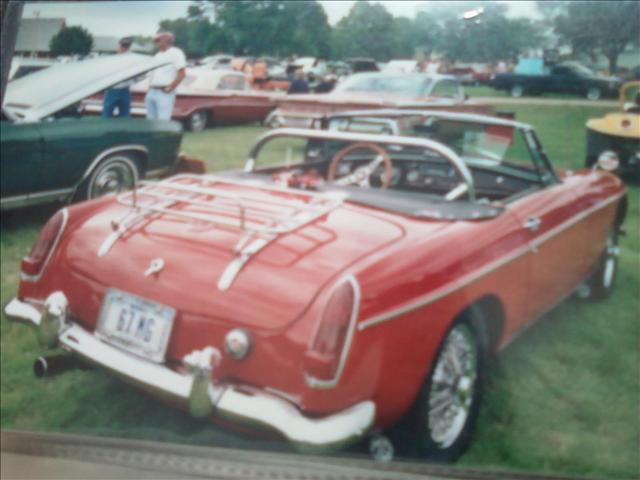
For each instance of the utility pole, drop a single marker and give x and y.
(10, 15)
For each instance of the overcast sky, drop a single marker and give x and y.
(142, 17)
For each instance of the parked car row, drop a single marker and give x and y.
(112, 155)
(561, 78)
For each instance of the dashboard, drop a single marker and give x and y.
(411, 175)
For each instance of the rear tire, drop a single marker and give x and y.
(197, 121)
(441, 422)
(594, 93)
(114, 174)
(517, 91)
(603, 280)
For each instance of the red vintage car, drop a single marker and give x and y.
(357, 286)
(206, 97)
(372, 91)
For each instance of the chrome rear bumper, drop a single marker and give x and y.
(240, 404)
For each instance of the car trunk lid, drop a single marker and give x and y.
(274, 285)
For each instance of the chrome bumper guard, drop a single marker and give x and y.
(195, 390)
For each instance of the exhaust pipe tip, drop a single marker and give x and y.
(40, 367)
(55, 365)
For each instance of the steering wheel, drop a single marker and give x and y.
(360, 176)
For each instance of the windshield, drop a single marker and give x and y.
(407, 85)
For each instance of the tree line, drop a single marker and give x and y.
(282, 28)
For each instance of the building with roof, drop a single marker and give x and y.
(35, 34)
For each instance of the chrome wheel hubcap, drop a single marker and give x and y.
(452, 386)
(198, 121)
(114, 178)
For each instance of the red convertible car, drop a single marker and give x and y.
(372, 91)
(206, 97)
(355, 287)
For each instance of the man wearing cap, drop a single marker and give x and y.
(164, 80)
(119, 95)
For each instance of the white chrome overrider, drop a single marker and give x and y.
(344, 354)
(243, 404)
(473, 276)
(34, 278)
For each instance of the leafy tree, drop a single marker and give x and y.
(196, 36)
(491, 37)
(427, 33)
(262, 27)
(367, 31)
(71, 41)
(608, 27)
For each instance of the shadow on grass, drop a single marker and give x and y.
(28, 217)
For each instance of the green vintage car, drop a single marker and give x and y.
(51, 153)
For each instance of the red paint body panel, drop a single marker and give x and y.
(415, 276)
(225, 107)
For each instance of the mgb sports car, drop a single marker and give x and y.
(342, 286)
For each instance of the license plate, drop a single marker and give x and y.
(135, 324)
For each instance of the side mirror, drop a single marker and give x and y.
(608, 161)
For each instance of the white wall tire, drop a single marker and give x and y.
(197, 121)
(594, 93)
(517, 91)
(603, 281)
(114, 174)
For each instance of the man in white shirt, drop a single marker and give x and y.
(164, 80)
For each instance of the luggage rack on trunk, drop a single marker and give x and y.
(258, 212)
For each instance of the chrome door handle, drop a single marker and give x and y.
(532, 224)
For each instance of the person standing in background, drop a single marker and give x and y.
(119, 95)
(163, 82)
(299, 83)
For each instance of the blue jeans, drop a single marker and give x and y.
(159, 104)
(119, 98)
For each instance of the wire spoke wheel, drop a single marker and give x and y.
(452, 386)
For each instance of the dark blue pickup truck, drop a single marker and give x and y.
(562, 78)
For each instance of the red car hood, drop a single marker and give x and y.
(274, 287)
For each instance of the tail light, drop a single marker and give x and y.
(326, 356)
(33, 265)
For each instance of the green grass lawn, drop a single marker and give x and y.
(564, 397)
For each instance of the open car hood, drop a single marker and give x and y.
(46, 92)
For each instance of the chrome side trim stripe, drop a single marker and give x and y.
(445, 290)
(34, 198)
(572, 221)
(471, 277)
